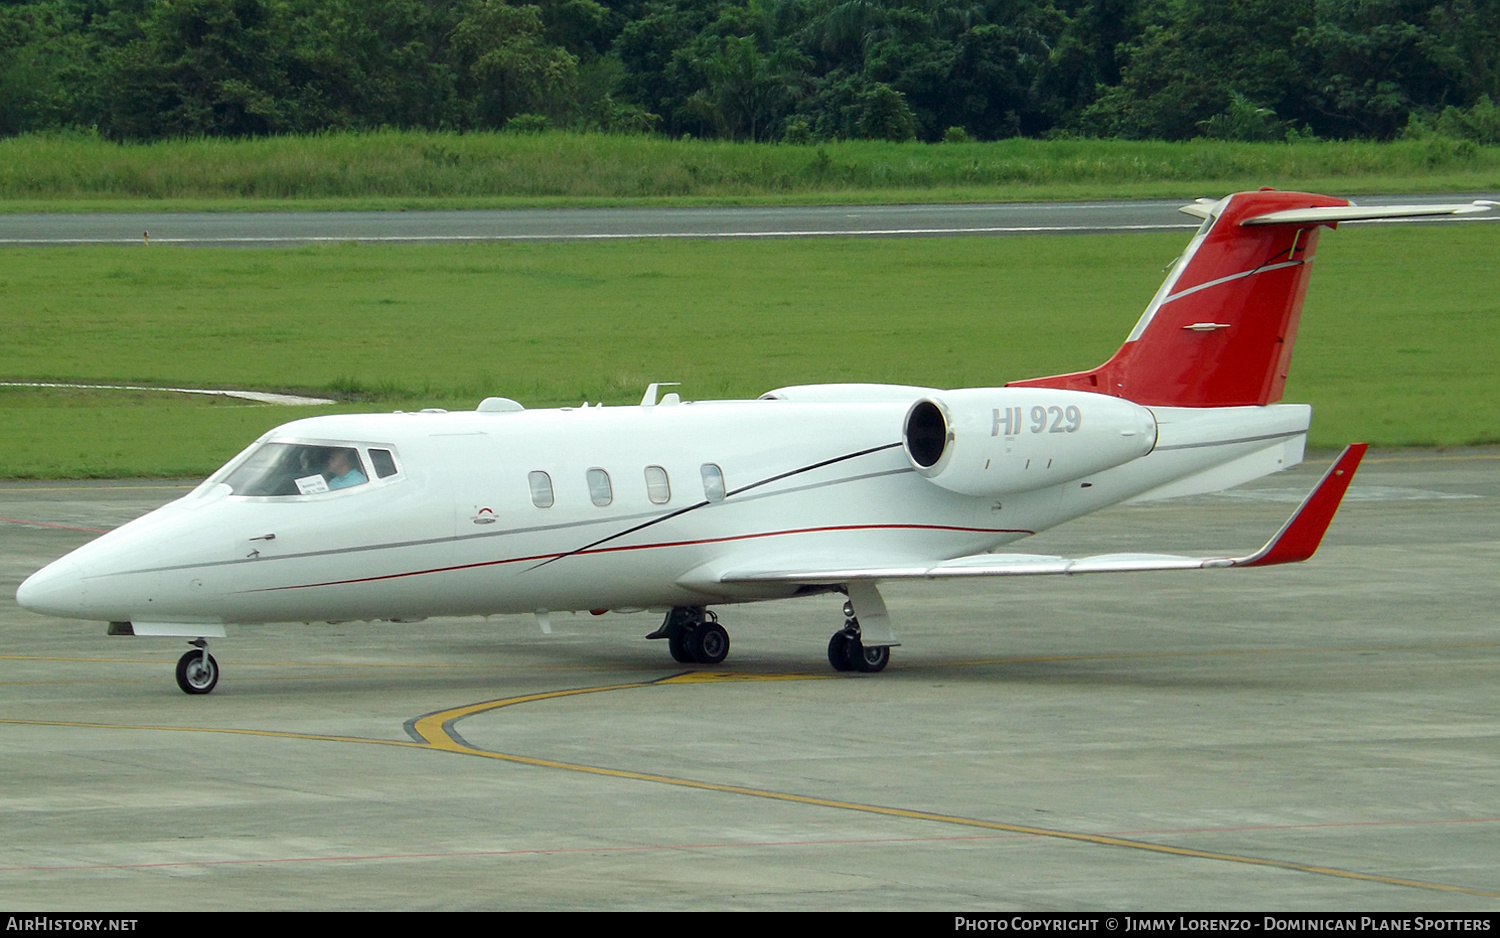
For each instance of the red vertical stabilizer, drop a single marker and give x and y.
(1219, 332)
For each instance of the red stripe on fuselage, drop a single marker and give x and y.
(663, 544)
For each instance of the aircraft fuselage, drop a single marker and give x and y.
(599, 508)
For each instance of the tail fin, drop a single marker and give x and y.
(1219, 331)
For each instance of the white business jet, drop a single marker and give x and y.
(679, 506)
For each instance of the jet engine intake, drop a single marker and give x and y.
(991, 441)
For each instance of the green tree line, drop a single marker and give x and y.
(767, 70)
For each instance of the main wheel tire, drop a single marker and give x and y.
(677, 644)
(872, 660)
(709, 643)
(841, 650)
(197, 672)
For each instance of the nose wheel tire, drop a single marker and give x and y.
(197, 672)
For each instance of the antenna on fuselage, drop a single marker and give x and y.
(649, 398)
(499, 405)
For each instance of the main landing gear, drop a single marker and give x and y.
(847, 653)
(694, 635)
(197, 671)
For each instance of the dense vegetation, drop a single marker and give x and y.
(408, 169)
(758, 70)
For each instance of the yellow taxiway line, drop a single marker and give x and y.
(436, 732)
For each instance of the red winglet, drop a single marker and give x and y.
(1299, 538)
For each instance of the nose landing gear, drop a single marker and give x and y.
(197, 671)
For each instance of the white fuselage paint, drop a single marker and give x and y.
(455, 530)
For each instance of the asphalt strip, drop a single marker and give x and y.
(263, 397)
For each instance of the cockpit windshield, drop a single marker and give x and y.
(297, 469)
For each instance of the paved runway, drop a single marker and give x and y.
(268, 229)
(1319, 737)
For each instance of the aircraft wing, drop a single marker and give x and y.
(1297, 540)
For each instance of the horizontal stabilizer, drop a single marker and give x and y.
(1200, 208)
(1333, 214)
(1297, 540)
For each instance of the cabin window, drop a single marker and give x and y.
(384, 463)
(541, 489)
(658, 488)
(600, 491)
(713, 482)
(297, 469)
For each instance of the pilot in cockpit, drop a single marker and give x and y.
(342, 469)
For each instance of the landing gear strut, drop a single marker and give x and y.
(694, 635)
(197, 671)
(847, 653)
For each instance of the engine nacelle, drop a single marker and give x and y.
(991, 441)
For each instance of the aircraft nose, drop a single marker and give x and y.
(55, 590)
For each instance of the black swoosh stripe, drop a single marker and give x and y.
(705, 503)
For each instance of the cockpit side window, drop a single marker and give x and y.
(297, 469)
(384, 463)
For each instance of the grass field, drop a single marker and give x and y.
(1397, 343)
(404, 169)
